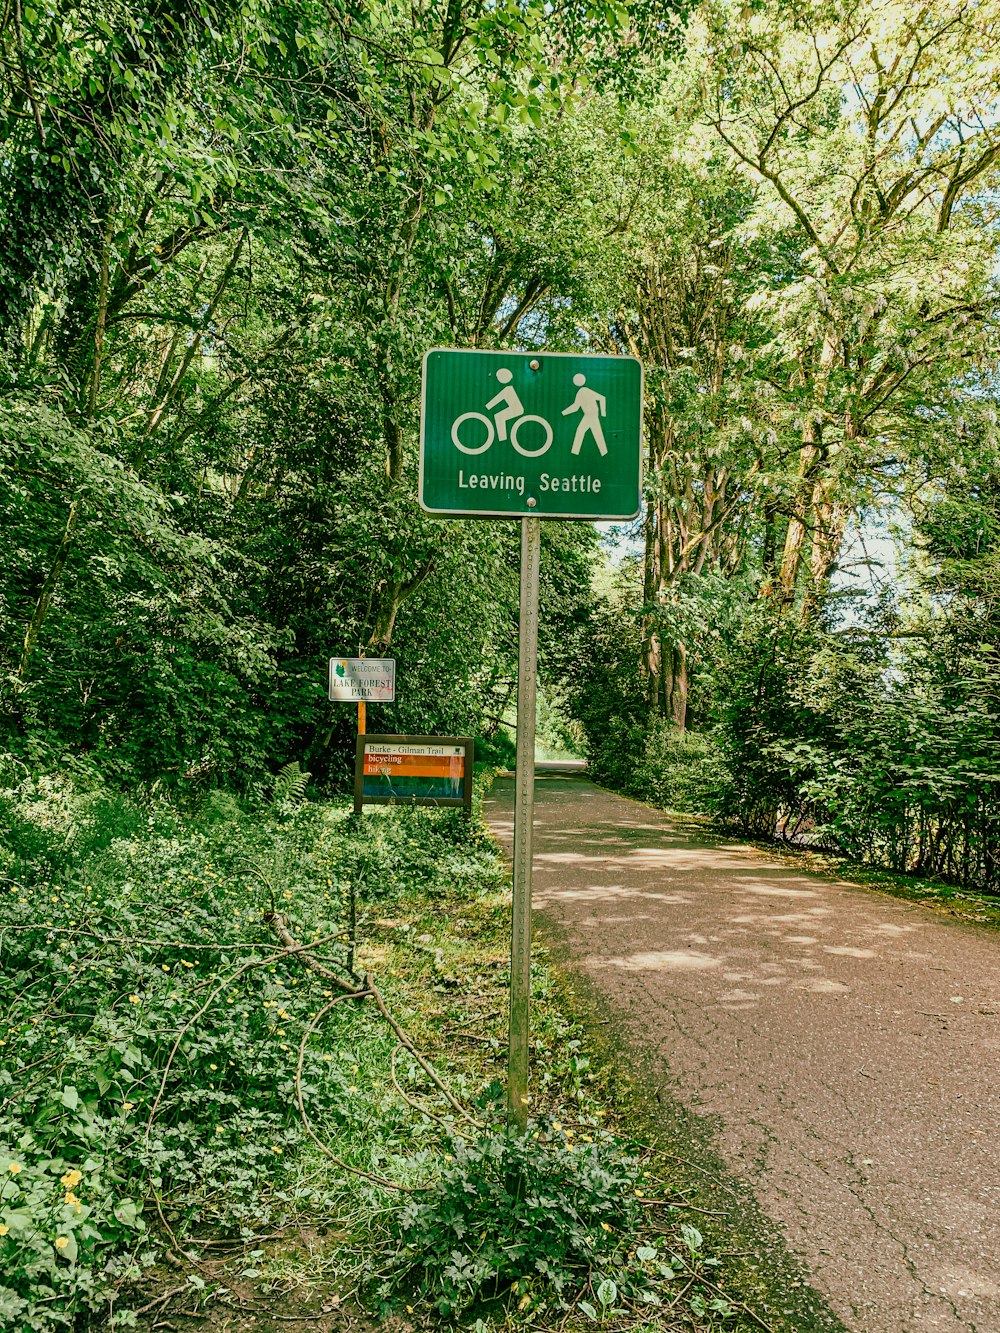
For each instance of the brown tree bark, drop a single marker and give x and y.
(45, 596)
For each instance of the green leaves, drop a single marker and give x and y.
(534, 1215)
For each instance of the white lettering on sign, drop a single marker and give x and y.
(362, 680)
(586, 484)
(490, 481)
(439, 751)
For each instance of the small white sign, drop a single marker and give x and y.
(362, 680)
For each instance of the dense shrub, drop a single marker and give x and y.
(678, 770)
(682, 770)
(533, 1213)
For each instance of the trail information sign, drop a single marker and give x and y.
(359, 680)
(521, 434)
(419, 770)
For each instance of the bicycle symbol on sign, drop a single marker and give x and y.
(591, 406)
(512, 410)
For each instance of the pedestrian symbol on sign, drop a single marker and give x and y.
(593, 406)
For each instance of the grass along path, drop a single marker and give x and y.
(173, 983)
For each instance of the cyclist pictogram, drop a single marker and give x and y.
(512, 410)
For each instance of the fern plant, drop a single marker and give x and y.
(290, 785)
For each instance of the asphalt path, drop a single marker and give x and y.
(844, 1043)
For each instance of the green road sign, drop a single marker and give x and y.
(542, 434)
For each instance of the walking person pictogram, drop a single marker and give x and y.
(593, 406)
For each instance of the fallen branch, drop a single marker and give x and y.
(275, 920)
(346, 1166)
(703, 1281)
(410, 1101)
(424, 1064)
(292, 948)
(162, 1299)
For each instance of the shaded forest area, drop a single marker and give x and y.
(229, 234)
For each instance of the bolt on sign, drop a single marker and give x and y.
(358, 680)
(415, 770)
(520, 434)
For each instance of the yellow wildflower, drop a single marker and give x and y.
(73, 1201)
(71, 1179)
(4, 1228)
(14, 1168)
(62, 1242)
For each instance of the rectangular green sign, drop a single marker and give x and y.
(510, 434)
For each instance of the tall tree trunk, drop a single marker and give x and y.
(798, 523)
(652, 652)
(676, 685)
(811, 458)
(45, 596)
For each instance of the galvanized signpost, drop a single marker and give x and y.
(530, 436)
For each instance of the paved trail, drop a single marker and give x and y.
(846, 1042)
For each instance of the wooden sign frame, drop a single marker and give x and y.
(464, 801)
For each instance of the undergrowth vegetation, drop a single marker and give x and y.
(227, 1025)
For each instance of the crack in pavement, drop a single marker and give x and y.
(842, 1043)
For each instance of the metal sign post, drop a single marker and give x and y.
(529, 435)
(524, 809)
